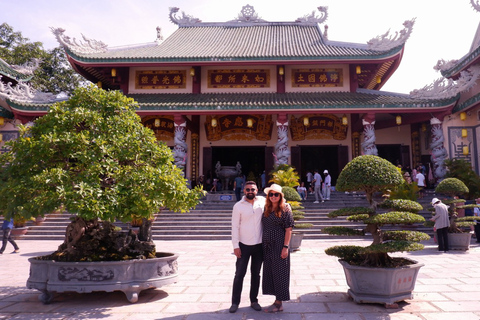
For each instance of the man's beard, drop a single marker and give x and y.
(250, 196)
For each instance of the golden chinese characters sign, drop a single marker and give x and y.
(320, 126)
(239, 127)
(162, 126)
(238, 78)
(317, 77)
(160, 79)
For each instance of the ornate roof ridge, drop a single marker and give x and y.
(386, 42)
(25, 92)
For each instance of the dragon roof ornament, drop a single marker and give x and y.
(475, 4)
(89, 46)
(27, 68)
(386, 42)
(445, 88)
(24, 92)
(185, 19)
(313, 19)
(443, 65)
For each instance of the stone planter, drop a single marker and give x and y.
(18, 232)
(39, 221)
(459, 241)
(129, 276)
(296, 240)
(381, 285)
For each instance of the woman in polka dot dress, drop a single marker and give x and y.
(277, 230)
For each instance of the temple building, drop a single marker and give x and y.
(249, 94)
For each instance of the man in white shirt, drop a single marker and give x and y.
(420, 178)
(247, 243)
(317, 183)
(327, 185)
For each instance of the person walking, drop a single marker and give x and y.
(247, 243)
(476, 213)
(420, 178)
(327, 185)
(317, 184)
(237, 186)
(442, 222)
(277, 224)
(309, 182)
(7, 227)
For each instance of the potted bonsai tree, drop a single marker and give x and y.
(92, 156)
(459, 235)
(287, 177)
(372, 274)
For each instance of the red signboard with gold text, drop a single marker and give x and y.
(160, 79)
(317, 77)
(238, 78)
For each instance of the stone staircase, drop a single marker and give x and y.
(210, 220)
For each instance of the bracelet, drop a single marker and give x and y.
(286, 247)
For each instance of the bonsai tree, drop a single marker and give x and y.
(462, 170)
(92, 156)
(453, 188)
(373, 174)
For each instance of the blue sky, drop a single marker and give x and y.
(444, 29)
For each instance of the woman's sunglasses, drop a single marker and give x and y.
(274, 194)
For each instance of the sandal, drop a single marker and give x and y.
(274, 308)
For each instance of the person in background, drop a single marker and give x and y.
(277, 224)
(476, 213)
(247, 243)
(327, 185)
(442, 222)
(237, 186)
(262, 180)
(420, 178)
(7, 227)
(302, 191)
(309, 182)
(317, 184)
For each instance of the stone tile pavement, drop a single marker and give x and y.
(447, 288)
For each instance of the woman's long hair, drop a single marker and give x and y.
(278, 210)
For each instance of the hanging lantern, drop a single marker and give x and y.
(1, 137)
(306, 121)
(464, 133)
(281, 71)
(344, 120)
(157, 122)
(114, 72)
(379, 79)
(2, 121)
(465, 150)
(99, 84)
(192, 71)
(358, 69)
(214, 122)
(463, 116)
(398, 120)
(424, 127)
(249, 122)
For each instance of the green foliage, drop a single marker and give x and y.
(290, 194)
(395, 217)
(285, 175)
(462, 170)
(348, 253)
(359, 217)
(451, 187)
(343, 231)
(405, 191)
(393, 246)
(303, 225)
(92, 155)
(370, 174)
(349, 211)
(404, 235)
(54, 74)
(401, 205)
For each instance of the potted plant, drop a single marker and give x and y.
(92, 156)
(19, 226)
(287, 177)
(459, 235)
(372, 274)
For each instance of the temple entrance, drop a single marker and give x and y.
(395, 153)
(252, 160)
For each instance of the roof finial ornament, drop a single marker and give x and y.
(247, 14)
(475, 5)
(89, 46)
(25, 92)
(28, 68)
(443, 65)
(159, 35)
(312, 18)
(185, 19)
(443, 88)
(384, 42)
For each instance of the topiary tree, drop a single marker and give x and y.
(453, 188)
(372, 174)
(294, 199)
(92, 155)
(462, 170)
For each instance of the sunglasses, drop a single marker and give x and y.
(274, 194)
(250, 190)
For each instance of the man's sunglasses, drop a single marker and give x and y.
(250, 190)
(274, 194)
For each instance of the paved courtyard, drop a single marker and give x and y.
(447, 288)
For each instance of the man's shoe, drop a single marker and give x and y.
(233, 308)
(255, 306)
(315, 202)
(323, 201)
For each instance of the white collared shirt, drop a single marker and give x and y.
(247, 222)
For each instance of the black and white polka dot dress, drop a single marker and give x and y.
(276, 271)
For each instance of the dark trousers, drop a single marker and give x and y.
(477, 231)
(8, 238)
(238, 193)
(442, 239)
(256, 253)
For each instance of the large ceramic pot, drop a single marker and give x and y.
(18, 232)
(296, 240)
(128, 276)
(381, 285)
(226, 174)
(459, 241)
